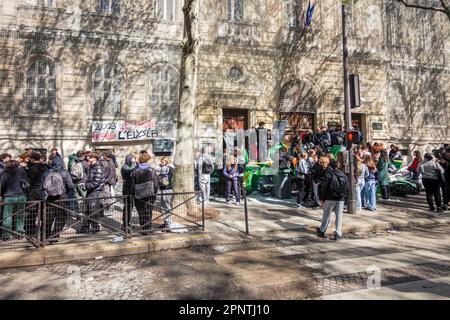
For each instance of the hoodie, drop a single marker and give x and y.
(10, 181)
(126, 170)
(36, 173)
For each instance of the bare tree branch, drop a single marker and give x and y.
(445, 8)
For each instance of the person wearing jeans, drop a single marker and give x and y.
(370, 186)
(14, 197)
(361, 174)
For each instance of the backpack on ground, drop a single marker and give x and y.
(54, 184)
(145, 189)
(207, 166)
(338, 185)
(77, 170)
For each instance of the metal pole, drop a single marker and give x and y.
(351, 207)
(244, 195)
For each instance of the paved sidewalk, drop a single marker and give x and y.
(269, 219)
(269, 216)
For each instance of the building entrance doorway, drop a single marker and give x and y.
(233, 120)
(358, 121)
(298, 124)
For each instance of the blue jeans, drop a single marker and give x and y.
(233, 183)
(359, 187)
(371, 194)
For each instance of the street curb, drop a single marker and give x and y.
(98, 249)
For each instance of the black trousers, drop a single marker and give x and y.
(93, 209)
(385, 192)
(432, 188)
(56, 217)
(33, 213)
(144, 208)
(128, 204)
(304, 188)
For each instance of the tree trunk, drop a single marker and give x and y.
(186, 210)
(184, 148)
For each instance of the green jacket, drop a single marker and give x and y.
(383, 172)
(72, 158)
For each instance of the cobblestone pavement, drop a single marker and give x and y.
(302, 266)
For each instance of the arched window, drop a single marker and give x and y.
(297, 96)
(166, 10)
(106, 89)
(396, 104)
(235, 10)
(164, 93)
(40, 93)
(109, 7)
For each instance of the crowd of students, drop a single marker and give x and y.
(320, 175)
(89, 176)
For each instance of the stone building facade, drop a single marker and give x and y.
(65, 64)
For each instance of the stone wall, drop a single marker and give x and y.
(401, 55)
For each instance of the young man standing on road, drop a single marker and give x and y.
(332, 196)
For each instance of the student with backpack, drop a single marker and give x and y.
(57, 184)
(205, 167)
(333, 192)
(79, 170)
(145, 186)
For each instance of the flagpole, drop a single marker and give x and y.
(351, 206)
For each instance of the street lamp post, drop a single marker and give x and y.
(351, 206)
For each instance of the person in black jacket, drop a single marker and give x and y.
(333, 192)
(36, 173)
(12, 181)
(127, 190)
(94, 186)
(144, 198)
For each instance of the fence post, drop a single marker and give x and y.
(127, 204)
(44, 223)
(39, 222)
(244, 195)
(203, 213)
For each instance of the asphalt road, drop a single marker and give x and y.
(405, 264)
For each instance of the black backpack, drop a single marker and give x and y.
(146, 188)
(207, 166)
(338, 184)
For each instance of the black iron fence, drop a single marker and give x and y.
(40, 223)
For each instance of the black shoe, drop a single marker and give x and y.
(431, 209)
(439, 210)
(320, 233)
(337, 238)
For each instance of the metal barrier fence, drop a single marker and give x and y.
(39, 223)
